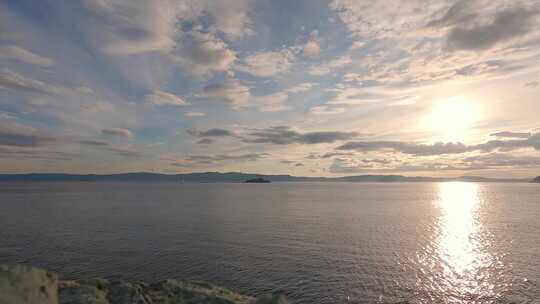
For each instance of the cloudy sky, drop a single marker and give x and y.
(304, 87)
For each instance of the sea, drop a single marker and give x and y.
(451, 242)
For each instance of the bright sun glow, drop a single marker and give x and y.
(452, 118)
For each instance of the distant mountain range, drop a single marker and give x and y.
(235, 177)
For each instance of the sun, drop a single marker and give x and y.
(452, 118)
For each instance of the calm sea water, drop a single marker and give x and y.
(316, 242)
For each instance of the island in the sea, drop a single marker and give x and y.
(257, 180)
(536, 180)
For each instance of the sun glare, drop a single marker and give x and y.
(460, 245)
(452, 118)
(458, 203)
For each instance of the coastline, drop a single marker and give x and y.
(238, 177)
(24, 284)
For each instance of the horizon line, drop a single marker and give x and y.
(262, 174)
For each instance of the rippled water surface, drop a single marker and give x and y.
(317, 242)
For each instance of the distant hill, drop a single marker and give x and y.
(536, 180)
(231, 177)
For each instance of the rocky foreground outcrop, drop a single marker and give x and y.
(21, 284)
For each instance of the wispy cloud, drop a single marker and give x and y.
(161, 98)
(329, 66)
(508, 24)
(230, 92)
(283, 135)
(216, 132)
(348, 83)
(22, 137)
(194, 114)
(16, 82)
(211, 160)
(439, 148)
(266, 64)
(507, 134)
(14, 52)
(325, 110)
(204, 53)
(117, 132)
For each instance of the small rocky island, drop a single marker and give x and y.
(21, 284)
(536, 180)
(258, 180)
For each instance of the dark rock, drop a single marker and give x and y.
(27, 285)
(271, 299)
(99, 283)
(82, 294)
(121, 292)
(173, 291)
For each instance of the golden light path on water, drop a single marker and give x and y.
(467, 271)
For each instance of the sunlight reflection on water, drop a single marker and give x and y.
(457, 245)
(468, 270)
(325, 243)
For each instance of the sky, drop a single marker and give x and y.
(304, 87)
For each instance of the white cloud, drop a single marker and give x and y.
(238, 96)
(325, 110)
(421, 42)
(13, 81)
(194, 114)
(7, 115)
(18, 135)
(16, 82)
(161, 98)
(311, 49)
(271, 103)
(507, 25)
(131, 27)
(84, 90)
(386, 18)
(231, 17)
(128, 47)
(353, 95)
(395, 53)
(117, 132)
(97, 107)
(299, 88)
(353, 77)
(231, 92)
(358, 45)
(16, 53)
(134, 27)
(327, 67)
(204, 53)
(266, 64)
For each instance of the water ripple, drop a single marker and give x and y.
(318, 243)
